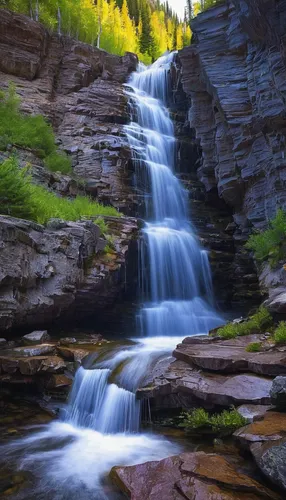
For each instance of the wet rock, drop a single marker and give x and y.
(253, 412)
(71, 354)
(3, 342)
(36, 337)
(230, 356)
(196, 476)
(278, 392)
(8, 364)
(30, 366)
(53, 364)
(59, 381)
(270, 428)
(68, 341)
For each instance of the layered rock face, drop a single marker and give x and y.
(234, 77)
(79, 88)
(60, 271)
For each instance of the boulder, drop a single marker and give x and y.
(278, 392)
(196, 476)
(3, 342)
(271, 459)
(253, 412)
(36, 337)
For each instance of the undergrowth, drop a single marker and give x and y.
(224, 423)
(280, 333)
(29, 131)
(19, 197)
(255, 324)
(253, 347)
(270, 244)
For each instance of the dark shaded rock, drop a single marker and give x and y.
(196, 476)
(46, 274)
(3, 342)
(36, 337)
(234, 79)
(59, 381)
(278, 392)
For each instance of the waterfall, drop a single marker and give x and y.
(178, 277)
(177, 273)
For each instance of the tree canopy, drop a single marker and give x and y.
(145, 27)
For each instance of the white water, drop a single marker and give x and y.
(100, 425)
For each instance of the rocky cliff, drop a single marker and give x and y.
(61, 271)
(234, 78)
(79, 88)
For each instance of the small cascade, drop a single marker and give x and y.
(97, 405)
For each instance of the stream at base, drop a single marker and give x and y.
(100, 425)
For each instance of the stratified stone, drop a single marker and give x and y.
(196, 476)
(230, 356)
(270, 428)
(253, 412)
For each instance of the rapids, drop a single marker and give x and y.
(100, 425)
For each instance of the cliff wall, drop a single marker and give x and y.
(234, 76)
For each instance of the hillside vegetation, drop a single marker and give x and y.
(140, 26)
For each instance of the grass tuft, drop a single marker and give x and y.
(224, 423)
(255, 324)
(253, 347)
(280, 333)
(270, 244)
(19, 197)
(29, 131)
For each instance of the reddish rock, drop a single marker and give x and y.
(196, 476)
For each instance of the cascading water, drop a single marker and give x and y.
(178, 279)
(99, 427)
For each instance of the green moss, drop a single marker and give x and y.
(253, 347)
(255, 324)
(270, 245)
(224, 423)
(19, 197)
(29, 131)
(280, 333)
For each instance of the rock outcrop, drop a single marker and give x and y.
(79, 89)
(210, 372)
(234, 77)
(61, 270)
(196, 476)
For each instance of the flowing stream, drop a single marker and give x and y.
(100, 425)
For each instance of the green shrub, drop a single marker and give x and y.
(19, 197)
(15, 190)
(58, 162)
(280, 333)
(270, 244)
(255, 324)
(224, 423)
(253, 347)
(29, 131)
